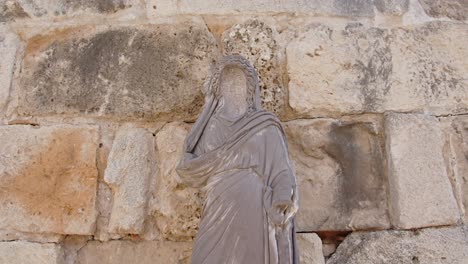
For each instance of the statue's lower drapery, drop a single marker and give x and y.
(245, 170)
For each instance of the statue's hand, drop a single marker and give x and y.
(279, 213)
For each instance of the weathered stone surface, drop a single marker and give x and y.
(392, 7)
(71, 245)
(341, 175)
(359, 8)
(359, 69)
(10, 235)
(454, 9)
(347, 8)
(255, 40)
(310, 249)
(123, 252)
(328, 249)
(175, 207)
(104, 197)
(9, 43)
(458, 158)
(131, 165)
(420, 190)
(430, 75)
(30, 253)
(146, 71)
(432, 245)
(48, 178)
(330, 70)
(104, 207)
(19, 9)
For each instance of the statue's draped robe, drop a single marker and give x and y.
(244, 167)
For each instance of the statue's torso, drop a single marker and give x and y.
(217, 131)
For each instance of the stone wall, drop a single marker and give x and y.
(97, 96)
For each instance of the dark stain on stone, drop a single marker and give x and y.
(11, 12)
(358, 150)
(359, 8)
(392, 7)
(125, 71)
(332, 236)
(454, 9)
(15, 10)
(101, 6)
(375, 69)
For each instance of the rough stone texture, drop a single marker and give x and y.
(458, 158)
(358, 8)
(104, 207)
(420, 190)
(392, 7)
(19, 9)
(9, 43)
(434, 245)
(310, 249)
(255, 41)
(140, 72)
(328, 249)
(338, 70)
(104, 192)
(48, 178)
(23, 252)
(359, 69)
(136, 68)
(341, 175)
(175, 207)
(429, 69)
(131, 165)
(454, 9)
(124, 252)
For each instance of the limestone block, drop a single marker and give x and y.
(9, 43)
(454, 9)
(147, 71)
(340, 169)
(11, 10)
(23, 252)
(124, 252)
(48, 178)
(359, 8)
(359, 69)
(428, 70)
(176, 208)
(431, 245)
(420, 190)
(255, 40)
(458, 157)
(130, 167)
(310, 248)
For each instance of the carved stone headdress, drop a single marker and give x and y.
(212, 95)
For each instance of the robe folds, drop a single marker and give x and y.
(243, 165)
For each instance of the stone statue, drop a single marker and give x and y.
(238, 154)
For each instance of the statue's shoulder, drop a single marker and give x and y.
(269, 123)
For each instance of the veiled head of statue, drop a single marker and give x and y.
(235, 83)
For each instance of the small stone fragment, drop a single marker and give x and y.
(310, 248)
